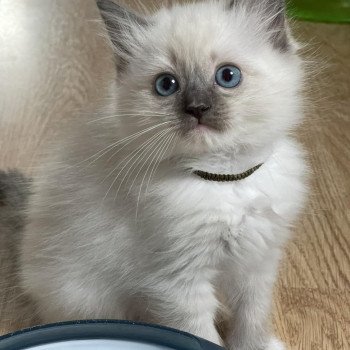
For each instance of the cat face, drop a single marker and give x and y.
(219, 74)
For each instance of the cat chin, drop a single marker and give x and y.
(203, 134)
(202, 141)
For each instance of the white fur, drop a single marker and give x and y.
(101, 246)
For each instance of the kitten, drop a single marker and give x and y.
(140, 212)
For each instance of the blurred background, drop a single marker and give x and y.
(320, 10)
(53, 63)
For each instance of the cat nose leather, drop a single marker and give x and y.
(197, 110)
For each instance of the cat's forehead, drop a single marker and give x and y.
(199, 35)
(191, 28)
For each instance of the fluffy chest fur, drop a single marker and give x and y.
(208, 222)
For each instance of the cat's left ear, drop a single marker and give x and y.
(273, 15)
(124, 27)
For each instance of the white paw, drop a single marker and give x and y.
(275, 344)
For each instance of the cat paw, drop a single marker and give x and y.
(275, 344)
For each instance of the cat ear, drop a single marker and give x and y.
(122, 25)
(230, 4)
(273, 16)
(277, 24)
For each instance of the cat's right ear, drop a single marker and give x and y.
(273, 14)
(122, 26)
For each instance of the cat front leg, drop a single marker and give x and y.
(191, 310)
(248, 296)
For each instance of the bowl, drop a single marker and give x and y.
(103, 335)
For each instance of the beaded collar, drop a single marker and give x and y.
(225, 177)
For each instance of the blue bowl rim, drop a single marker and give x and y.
(104, 329)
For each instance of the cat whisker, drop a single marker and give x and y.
(155, 159)
(157, 162)
(117, 143)
(115, 153)
(158, 147)
(144, 159)
(132, 155)
(164, 146)
(130, 115)
(138, 160)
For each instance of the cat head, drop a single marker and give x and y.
(217, 73)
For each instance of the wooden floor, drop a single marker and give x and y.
(52, 63)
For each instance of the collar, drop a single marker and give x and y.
(224, 177)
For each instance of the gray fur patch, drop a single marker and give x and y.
(119, 22)
(14, 193)
(231, 4)
(278, 25)
(199, 86)
(203, 92)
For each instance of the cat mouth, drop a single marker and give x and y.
(202, 126)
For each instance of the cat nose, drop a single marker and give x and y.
(197, 110)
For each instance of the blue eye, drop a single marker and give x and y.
(166, 85)
(228, 76)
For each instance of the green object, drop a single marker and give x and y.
(320, 10)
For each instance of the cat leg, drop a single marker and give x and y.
(248, 296)
(191, 311)
(76, 300)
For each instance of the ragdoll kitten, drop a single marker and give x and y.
(183, 186)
